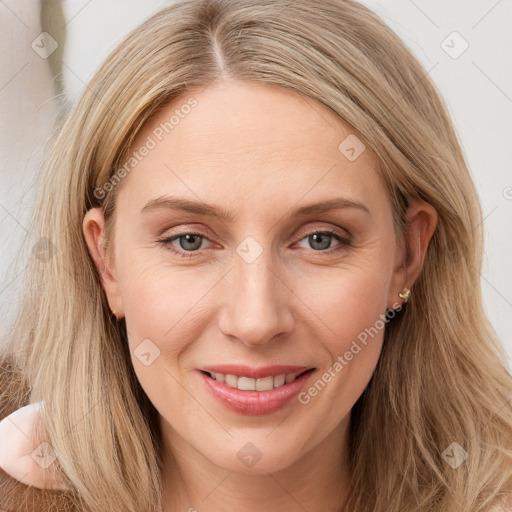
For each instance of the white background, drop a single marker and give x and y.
(477, 87)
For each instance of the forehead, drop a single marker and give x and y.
(228, 141)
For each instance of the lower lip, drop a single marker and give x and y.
(255, 403)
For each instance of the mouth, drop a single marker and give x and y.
(245, 383)
(253, 391)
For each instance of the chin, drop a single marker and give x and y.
(257, 457)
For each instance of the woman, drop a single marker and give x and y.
(235, 214)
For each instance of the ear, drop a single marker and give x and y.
(421, 223)
(94, 230)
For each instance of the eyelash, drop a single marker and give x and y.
(345, 242)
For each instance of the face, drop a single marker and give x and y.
(267, 281)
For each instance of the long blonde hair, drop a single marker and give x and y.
(441, 377)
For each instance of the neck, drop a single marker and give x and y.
(317, 482)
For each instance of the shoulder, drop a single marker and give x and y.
(22, 456)
(29, 478)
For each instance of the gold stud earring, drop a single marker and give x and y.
(404, 294)
(115, 314)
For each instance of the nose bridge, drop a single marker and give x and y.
(258, 307)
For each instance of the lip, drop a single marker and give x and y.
(254, 373)
(256, 403)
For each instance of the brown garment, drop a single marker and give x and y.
(14, 495)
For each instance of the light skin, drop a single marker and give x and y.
(257, 151)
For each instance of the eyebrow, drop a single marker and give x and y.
(208, 210)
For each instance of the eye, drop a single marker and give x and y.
(319, 241)
(189, 243)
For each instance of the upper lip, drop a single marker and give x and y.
(255, 373)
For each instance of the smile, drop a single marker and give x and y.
(255, 391)
(249, 384)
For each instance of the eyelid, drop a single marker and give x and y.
(180, 230)
(341, 232)
(344, 238)
(208, 234)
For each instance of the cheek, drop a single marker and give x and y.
(349, 298)
(165, 303)
(350, 305)
(162, 305)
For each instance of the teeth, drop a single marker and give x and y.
(265, 384)
(290, 378)
(248, 384)
(231, 381)
(279, 380)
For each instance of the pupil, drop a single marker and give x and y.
(318, 237)
(189, 239)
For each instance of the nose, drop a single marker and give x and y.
(258, 305)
